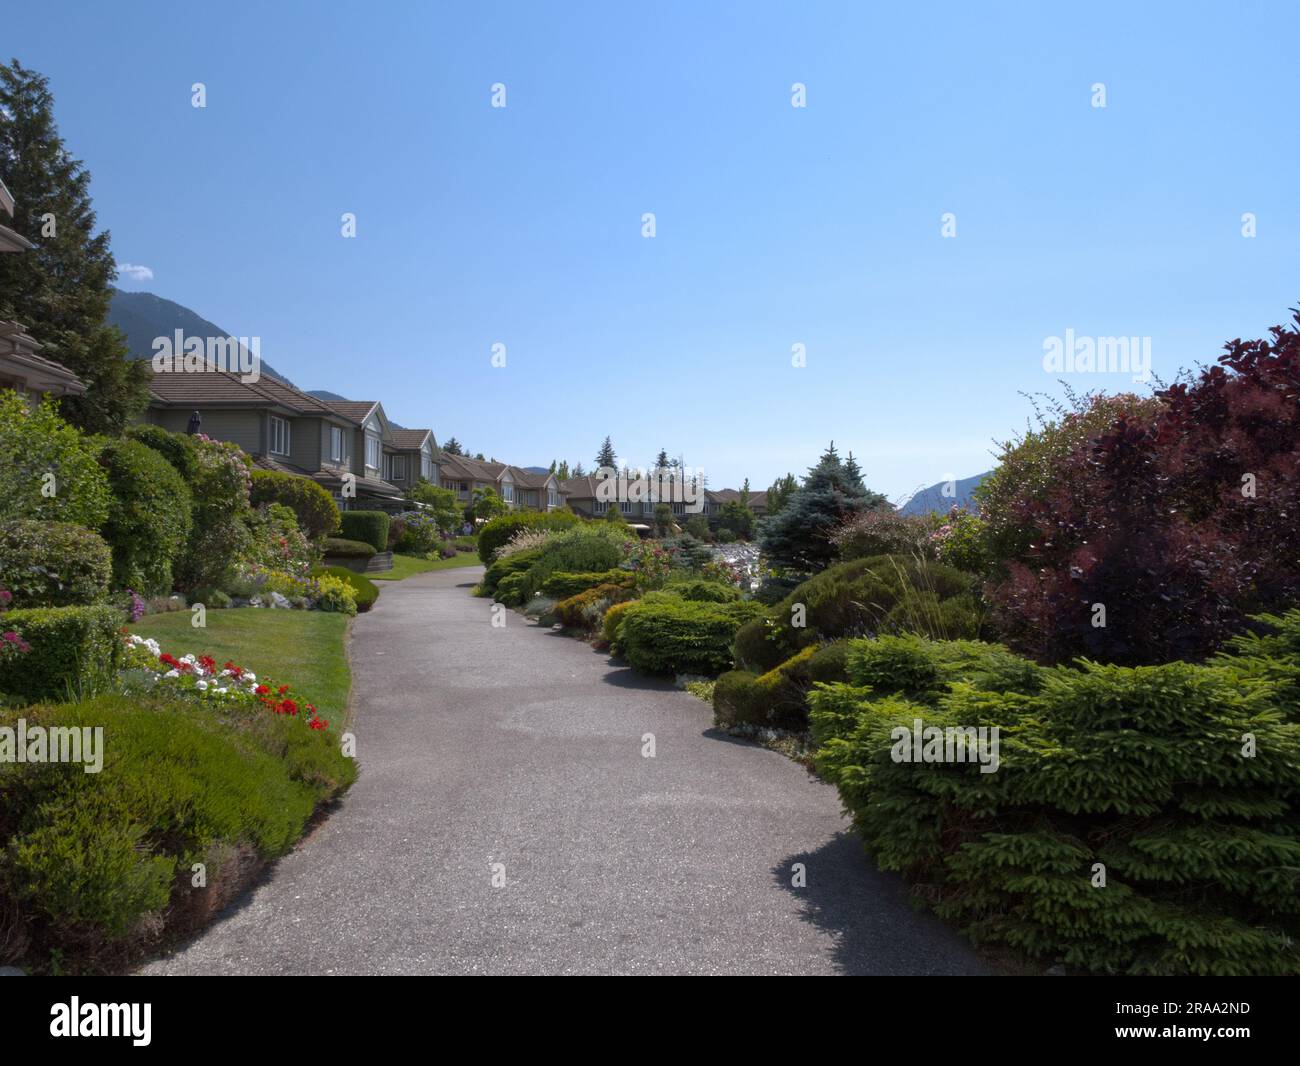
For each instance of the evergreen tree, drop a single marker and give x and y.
(453, 447)
(60, 290)
(661, 460)
(799, 536)
(778, 495)
(562, 471)
(606, 456)
(578, 471)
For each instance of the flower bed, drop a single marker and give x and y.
(200, 677)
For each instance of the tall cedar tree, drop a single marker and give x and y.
(606, 456)
(60, 290)
(453, 447)
(799, 537)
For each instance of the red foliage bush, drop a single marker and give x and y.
(1180, 520)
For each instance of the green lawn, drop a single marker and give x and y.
(409, 565)
(307, 648)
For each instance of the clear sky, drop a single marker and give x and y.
(775, 225)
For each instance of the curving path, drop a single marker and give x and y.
(518, 746)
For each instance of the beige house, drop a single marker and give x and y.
(520, 489)
(282, 428)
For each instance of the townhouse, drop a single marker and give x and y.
(284, 429)
(520, 489)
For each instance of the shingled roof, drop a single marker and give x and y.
(220, 388)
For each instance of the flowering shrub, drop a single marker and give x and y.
(219, 537)
(418, 532)
(199, 677)
(12, 645)
(649, 562)
(335, 594)
(276, 541)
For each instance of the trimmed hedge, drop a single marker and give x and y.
(1175, 782)
(613, 621)
(176, 448)
(564, 584)
(149, 516)
(498, 531)
(317, 513)
(99, 864)
(368, 526)
(864, 597)
(347, 549)
(365, 590)
(74, 651)
(510, 590)
(674, 636)
(53, 564)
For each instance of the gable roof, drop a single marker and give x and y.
(410, 438)
(357, 410)
(580, 488)
(213, 387)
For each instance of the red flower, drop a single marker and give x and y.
(318, 723)
(261, 690)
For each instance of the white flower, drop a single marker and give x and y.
(172, 673)
(249, 675)
(201, 685)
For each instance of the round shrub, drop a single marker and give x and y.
(40, 451)
(883, 594)
(675, 636)
(613, 621)
(364, 590)
(149, 516)
(598, 546)
(507, 565)
(510, 590)
(53, 564)
(317, 513)
(176, 448)
(587, 609)
(369, 526)
(497, 531)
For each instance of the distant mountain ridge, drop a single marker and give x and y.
(931, 500)
(142, 316)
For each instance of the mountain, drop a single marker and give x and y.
(142, 316)
(927, 501)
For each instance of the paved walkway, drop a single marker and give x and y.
(520, 747)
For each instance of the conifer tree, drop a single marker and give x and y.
(607, 456)
(61, 289)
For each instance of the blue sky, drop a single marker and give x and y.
(775, 225)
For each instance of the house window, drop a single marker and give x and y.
(372, 452)
(508, 492)
(625, 506)
(552, 498)
(336, 444)
(426, 468)
(397, 468)
(279, 436)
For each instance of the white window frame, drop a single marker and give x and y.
(337, 450)
(397, 468)
(508, 491)
(377, 453)
(281, 434)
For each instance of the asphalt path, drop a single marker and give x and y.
(508, 820)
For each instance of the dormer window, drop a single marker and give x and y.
(372, 452)
(279, 436)
(336, 444)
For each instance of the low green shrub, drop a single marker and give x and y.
(510, 590)
(1141, 820)
(586, 610)
(503, 567)
(347, 549)
(701, 590)
(74, 651)
(778, 699)
(99, 862)
(662, 634)
(53, 564)
(586, 549)
(364, 591)
(564, 584)
(612, 622)
(863, 597)
(149, 516)
(371, 527)
(311, 503)
(497, 531)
